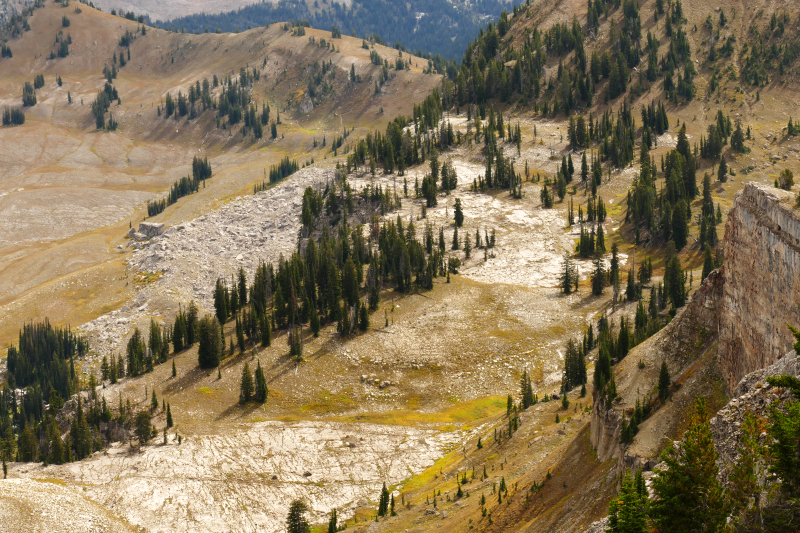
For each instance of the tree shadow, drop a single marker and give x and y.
(189, 379)
(239, 411)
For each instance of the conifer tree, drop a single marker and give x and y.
(600, 242)
(261, 392)
(627, 511)
(169, 416)
(174, 370)
(663, 382)
(363, 317)
(630, 291)
(211, 342)
(708, 262)
(689, 496)
(383, 503)
(246, 384)
(333, 525)
(240, 335)
(599, 276)
(266, 330)
(569, 274)
(458, 215)
(742, 478)
(296, 520)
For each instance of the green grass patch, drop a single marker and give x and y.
(462, 415)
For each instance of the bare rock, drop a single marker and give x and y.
(151, 229)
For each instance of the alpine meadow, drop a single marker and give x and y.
(313, 265)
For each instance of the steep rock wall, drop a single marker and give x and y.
(761, 281)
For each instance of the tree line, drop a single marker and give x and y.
(201, 171)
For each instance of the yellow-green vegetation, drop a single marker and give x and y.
(461, 415)
(146, 278)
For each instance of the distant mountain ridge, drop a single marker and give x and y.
(432, 26)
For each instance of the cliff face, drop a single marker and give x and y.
(761, 281)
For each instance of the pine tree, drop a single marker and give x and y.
(742, 478)
(209, 335)
(599, 276)
(333, 525)
(261, 392)
(383, 503)
(630, 291)
(689, 497)
(627, 511)
(240, 335)
(169, 416)
(458, 216)
(246, 384)
(600, 242)
(664, 382)
(174, 370)
(296, 520)
(722, 173)
(154, 402)
(708, 262)
(363, 319)
(569, 274)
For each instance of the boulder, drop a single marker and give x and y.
(151, 229)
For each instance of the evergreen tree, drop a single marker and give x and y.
(722, 172)
(246, 384)
(261, 392)
(674, 280)
(664, 382)
(627, 512)
(174, 370)
(363, 318)
(169, 416)
(209, 352)
(708, 262)
(630, 291)
(598, 277)
(680, 228)
(689, 497)
(600, 242)
(333, 526)
(742, 479)
(240, 335)
(383, 503)
(458, 216)
(143, 429)
(569, 274)
(296, 520)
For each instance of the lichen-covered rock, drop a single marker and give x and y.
(761, 281)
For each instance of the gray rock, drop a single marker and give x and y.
(151, 229)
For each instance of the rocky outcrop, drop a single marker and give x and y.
(151, 229)
(753, 395)
(762, 281)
